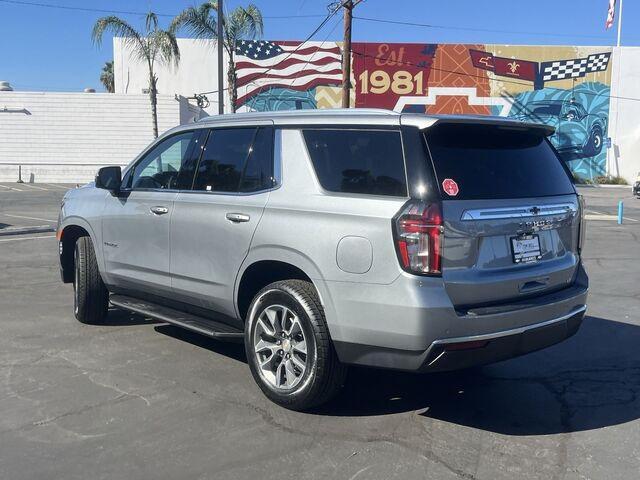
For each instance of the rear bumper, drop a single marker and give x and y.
(464, 352)
(452, 353)
(431, 338)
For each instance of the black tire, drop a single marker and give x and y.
(324, 374)
(90, 296)
(594, 143)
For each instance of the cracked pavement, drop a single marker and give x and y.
(136, 399)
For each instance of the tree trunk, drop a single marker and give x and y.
(153, 97)
(231, 80)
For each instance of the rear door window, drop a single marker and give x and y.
(236, 160)
(488, 161)
(358, 161)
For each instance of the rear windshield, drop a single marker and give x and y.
(358, 161)
(487, 161)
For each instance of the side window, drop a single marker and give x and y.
(160, 167)
(358, 161)
(258, 171)
(236, 159)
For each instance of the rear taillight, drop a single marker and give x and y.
(583, 225)
(419, 233)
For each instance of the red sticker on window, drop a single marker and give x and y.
(450, 187)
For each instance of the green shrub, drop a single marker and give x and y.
(606, 180)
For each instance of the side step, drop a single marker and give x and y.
(189, 321)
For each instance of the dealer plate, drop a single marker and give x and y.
(525, 249)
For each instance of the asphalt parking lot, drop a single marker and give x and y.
(135, 399)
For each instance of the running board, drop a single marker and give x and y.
(189, 321)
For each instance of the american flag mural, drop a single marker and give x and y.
(262, 65)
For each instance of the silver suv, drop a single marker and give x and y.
(335, 237)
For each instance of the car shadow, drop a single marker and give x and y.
(591, 380)
(232, 349)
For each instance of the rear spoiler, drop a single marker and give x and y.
(424, 122)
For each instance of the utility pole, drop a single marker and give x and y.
(346, 54)
(220, 45)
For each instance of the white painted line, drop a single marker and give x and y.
(11, 188)
(57, 186)
(29, 218)
(608, 218)
(33, 186)
(24, 238)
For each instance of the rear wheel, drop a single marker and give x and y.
(594, 143)
(90, 296)
(288, 346)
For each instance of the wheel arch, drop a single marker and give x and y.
(68, 234)
(268, 265)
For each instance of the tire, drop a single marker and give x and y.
(90, 296)
(323, 374)
(594, 143)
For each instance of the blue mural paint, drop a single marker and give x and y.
(580, 117)
(276, 99)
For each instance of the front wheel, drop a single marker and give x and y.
(288, 347)
(90, 296)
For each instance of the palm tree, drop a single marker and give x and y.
(241, 24)
(106, 77)
(153, 45)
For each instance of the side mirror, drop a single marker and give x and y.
(109, 178)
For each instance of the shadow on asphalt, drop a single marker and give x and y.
(589, 381)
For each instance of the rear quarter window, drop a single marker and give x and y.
(488, 161)
(358, 161)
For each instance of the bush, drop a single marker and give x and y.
(578, 180)
(606, 180)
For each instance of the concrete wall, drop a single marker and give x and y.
(624, 158)
(197, 72)
(66, 137)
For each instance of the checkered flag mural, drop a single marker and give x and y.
(576, 68)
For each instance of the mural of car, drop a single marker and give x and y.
(276, 100)
(578, 134)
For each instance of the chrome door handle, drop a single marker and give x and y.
(159, 210)
(238, 217)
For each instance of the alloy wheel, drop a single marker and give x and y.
(280, 347)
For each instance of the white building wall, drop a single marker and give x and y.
(66, 137)
(623, 158)
(197, 71)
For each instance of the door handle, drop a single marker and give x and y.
(238, 217)
(159, 210)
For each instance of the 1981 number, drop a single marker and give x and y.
(402, 82)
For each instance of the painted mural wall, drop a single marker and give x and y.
(566, 87)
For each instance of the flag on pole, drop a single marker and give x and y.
(611, 14)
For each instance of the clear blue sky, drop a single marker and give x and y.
(50, 49)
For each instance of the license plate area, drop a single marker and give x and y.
(525, 249)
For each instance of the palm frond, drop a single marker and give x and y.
(200, 22)
(165, 45)
(119, 28)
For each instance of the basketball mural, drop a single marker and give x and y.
(566, 87)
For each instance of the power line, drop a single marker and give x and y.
(473, 29)
(128, 12)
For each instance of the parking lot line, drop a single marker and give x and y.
(53, 185)
(15, 239)
(11, 188)
(28, 218)
(34, 186)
